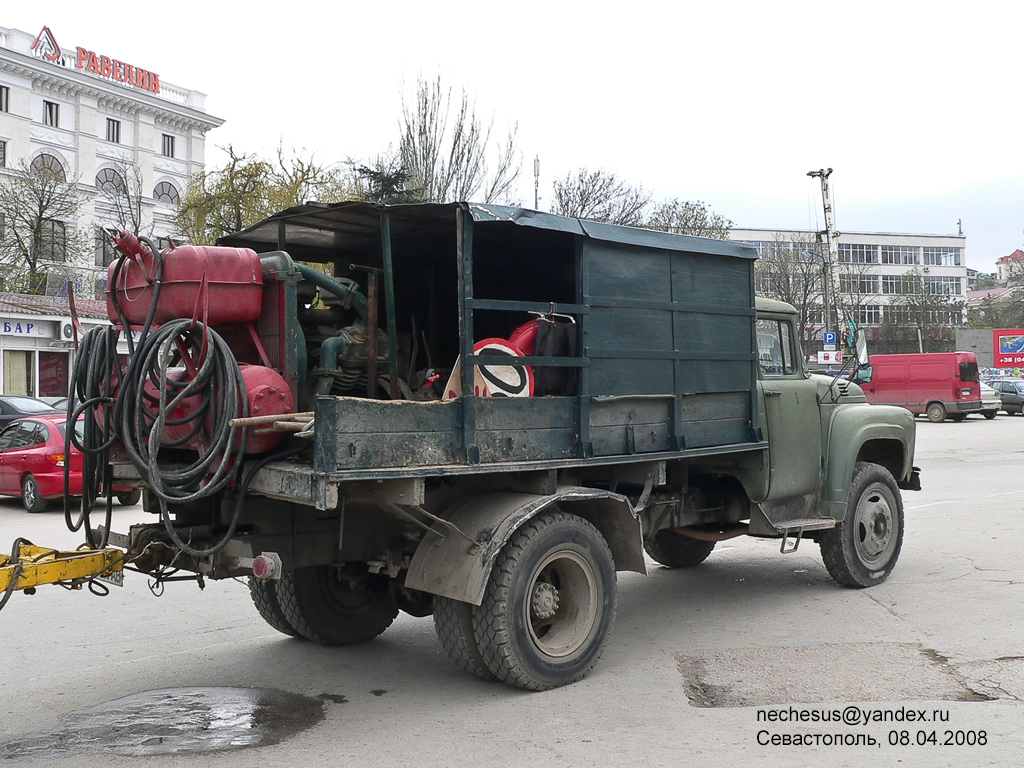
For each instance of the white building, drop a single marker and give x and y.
(876, 262)
(90, 116)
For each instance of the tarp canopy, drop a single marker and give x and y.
(354, 224)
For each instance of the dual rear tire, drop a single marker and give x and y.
(325, 604)
(547, 609)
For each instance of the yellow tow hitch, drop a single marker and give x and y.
(28, 566)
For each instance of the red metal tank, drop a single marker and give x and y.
(266, 392)
(224, 285)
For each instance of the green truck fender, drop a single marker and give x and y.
(880, 434)
(450, 565)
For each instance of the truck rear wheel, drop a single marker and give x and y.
(264, 597)
(936, 412)
(453, 622)
(333, 606)
(862, 550)
(673, 550)
(549, 603)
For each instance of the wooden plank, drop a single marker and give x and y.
(622, 270)
(526, 444)
(632, 377)
(496, 413)
(630, 410)
(631, 439)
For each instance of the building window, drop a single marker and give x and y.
(899, 254)
(165, 192)
(105, 252)
(110, 181)
(167, 147)
(944, 317)
(857, 285)
(3, 154)
(892, 283)
(49, 164)
(113, 130)
(5, 99)
(942, 257)
(943, 286)
(52, 243)
(858, 254)
(51, 114)
(19, 372)
(870, 314)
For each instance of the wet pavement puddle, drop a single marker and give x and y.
(175, 721)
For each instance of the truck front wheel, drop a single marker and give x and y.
(549, 603)
(335, 606)
(862, 550)
(673, 550)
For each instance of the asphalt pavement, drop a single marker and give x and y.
(752, 657)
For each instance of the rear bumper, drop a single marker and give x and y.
(51, 484)
(968, 406)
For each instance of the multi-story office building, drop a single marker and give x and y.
(103, 124)
(870, 271)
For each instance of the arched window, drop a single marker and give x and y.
(110, 181)
(45, 163)
(165, 192)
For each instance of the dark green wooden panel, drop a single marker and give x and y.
(632, 439)
(709, 279)
(702, 434)
(630, 410)
(635, 329)
(535, 444)
(630, 377)
(628, 271)
(496, 413)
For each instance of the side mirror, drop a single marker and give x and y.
(861, 348)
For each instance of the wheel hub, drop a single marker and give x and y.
(545, 600)
(875, 518)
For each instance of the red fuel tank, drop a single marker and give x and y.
(266, 392)
(223, 284)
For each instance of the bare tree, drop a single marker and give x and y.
(600, 196)
(689, 217)
(921, 304)
(452, 156)
(119, 197)
(38, 212)
(792, 272)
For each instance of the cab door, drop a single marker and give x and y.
(791, 410)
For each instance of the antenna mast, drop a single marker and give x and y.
(830, 256)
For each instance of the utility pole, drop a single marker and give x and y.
(536, 182)
(830, 256)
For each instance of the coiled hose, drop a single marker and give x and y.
(140, 419)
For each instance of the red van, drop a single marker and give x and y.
(939, 384)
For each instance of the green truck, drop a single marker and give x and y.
(483, 414)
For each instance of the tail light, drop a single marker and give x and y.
(56, 458)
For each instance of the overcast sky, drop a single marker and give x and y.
(915, 105)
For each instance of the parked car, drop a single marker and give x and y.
(15, 406)
(991, 403)
(32, 461)
(1011, 394)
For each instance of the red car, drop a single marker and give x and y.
(32, 463)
